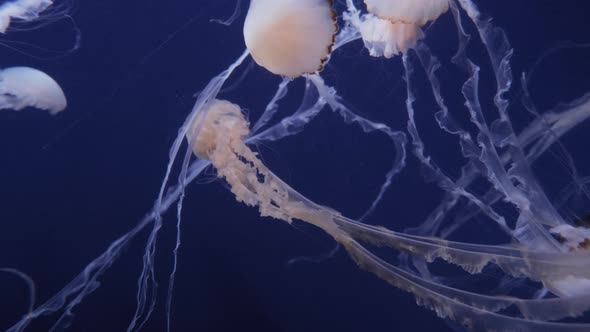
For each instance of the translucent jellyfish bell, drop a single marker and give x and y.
(409, 11)
(25, 10)
(220, 116)
(22, 87)
(388, 39)
(290, 37)
(217, 134)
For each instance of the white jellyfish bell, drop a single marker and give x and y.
(384, 38)
(290, 37)
(26, 10)
(392, 27)
(22, 87)
(408, 11)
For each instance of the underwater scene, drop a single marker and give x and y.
(294, 165)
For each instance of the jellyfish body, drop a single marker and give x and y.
(217, 134)
(220, 125)
(573, 238)
(22, 87)
(408, 11)
(569, 286)
(25, 10)
(384, 38)
(290, 37)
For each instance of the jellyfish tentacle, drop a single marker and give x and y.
(146, 283)
(218, 135)
(434, 170)
(535, 207)
(513, 260)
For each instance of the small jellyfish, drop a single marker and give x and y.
(22, 87)
(221, 116)
(290, 37)
(26, 10)
(217, 134)
(408, 11)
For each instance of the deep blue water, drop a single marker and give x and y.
(71, 184)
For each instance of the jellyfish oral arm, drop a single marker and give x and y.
(218, 135)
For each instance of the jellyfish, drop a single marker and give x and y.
(538, 264)
(218, 133)
(393, 27)
(25, 10)
(22, 87)
(384, 38)
(31, 15)
(418, 12)
(277, 35)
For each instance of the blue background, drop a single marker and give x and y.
(71, 184)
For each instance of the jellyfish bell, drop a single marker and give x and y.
(217, 125)
(22, 87)
(217, 134)
(290, 37)
(25, 10)
(384, 38)
(408, 11)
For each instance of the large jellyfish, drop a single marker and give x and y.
(468, 190)
(277, 35)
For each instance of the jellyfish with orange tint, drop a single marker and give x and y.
(277, 35)
(534, 259)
